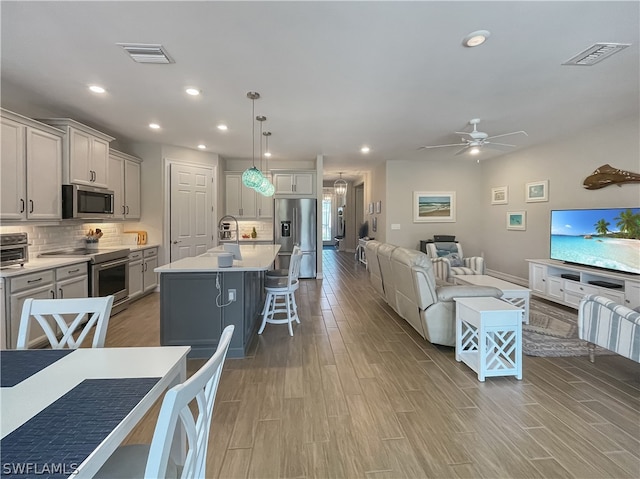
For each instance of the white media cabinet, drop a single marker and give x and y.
(567, 284)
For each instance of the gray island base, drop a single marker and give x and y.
(194, 306)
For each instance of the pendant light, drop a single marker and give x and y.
(340, 186)
(269, 190)
(252, 177)
(264, 182)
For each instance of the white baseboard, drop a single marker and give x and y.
(508, 277)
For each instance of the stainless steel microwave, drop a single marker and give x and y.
(86, 202)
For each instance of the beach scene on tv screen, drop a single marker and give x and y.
(603, 238)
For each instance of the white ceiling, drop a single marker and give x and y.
(333, 75)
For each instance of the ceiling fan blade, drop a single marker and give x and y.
(440, 146)
(498, 146)
(468, 133)
(460, 152)
(507, 134)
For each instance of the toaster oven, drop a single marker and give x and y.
(14, 249)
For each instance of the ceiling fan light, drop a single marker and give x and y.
(474, 151)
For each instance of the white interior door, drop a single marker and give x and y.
(191, 210)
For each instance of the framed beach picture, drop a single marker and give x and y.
(500, 195)
(537, 191)
(517, 220)
(434, 206)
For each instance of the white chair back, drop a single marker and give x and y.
(202, 387)
(294, 268)
(49, 313)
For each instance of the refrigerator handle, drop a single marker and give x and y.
(295, 229)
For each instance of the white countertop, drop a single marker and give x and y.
(140, 247)
(39, 264)
(255, 257)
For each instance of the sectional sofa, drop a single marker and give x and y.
(405, 279)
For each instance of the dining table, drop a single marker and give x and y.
(63, 412)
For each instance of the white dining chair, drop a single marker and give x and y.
(153, 461)
(50, 314)
(281, 297)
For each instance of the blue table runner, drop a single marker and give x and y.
(55, 441)
(18, 365)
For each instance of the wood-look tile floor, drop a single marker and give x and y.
(356, 393)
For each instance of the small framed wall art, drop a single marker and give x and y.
(434, 206)
(537, 191)
(500, 195)
(378, 206)
(370, 208)
(517, 220)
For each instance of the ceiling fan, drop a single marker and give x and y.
(475, 140)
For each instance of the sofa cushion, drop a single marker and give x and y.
(454, 260)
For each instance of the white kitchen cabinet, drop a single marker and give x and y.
(294, 183)
(85, 153)
(31, 169)
(136, 274)
(35, 285)
(124, 181)
(71, 281)
(240, 201)
(142, 277)
(149, 262)
(243, 202)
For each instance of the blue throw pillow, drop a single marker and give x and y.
(455, 260)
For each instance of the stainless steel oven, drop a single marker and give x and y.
(14, 249)
(111, 277)
(108, 273)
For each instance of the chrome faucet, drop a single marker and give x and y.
(221, 227)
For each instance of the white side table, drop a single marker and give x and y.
(489, 336)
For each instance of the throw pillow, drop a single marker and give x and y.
(455, 260)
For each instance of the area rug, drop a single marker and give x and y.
(553, 332)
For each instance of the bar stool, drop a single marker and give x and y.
(281, 296)
(279, 274)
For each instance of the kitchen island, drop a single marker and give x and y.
(195, 298)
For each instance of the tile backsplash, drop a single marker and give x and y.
(49, 238)
(264, 229)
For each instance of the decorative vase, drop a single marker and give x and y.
(254, 233)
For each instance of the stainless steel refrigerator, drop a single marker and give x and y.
(294, 222)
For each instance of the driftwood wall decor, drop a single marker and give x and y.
(606, 175)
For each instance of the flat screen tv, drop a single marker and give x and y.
(607, 238)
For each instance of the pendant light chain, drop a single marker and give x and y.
(252, 177)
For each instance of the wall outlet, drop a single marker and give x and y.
(232, 295)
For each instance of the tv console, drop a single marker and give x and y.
(567, 283)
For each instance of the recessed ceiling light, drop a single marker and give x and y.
(222, 127)
(96, 89)
(192, 91)
(202, 147)
(365, 149)
(476, 38)
(268, 154)
(154, 126)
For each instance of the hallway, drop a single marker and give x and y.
(357, 393)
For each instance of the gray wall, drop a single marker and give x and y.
(480, 226)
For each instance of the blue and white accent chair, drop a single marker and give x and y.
(605, 323)
(449, 261)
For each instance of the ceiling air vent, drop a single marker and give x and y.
(146, 53)
(596, 53)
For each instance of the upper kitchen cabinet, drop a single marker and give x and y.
(298, 183)
(30, 169)
(85, 153)
(124, 180)
(240, 201)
